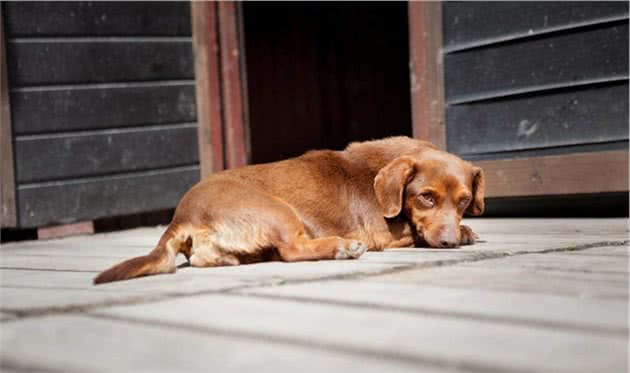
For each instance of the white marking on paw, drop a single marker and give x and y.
(341, 253)
(357, 249)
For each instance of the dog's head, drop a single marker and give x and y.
(433, 191)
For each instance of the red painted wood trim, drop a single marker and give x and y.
(58, 231)
(580, 173)
(208, 86)
(426, 71)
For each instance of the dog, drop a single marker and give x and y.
(394, 192)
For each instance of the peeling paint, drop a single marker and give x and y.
(526, 128)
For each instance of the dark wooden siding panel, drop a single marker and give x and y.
(563, 59)
(104, 106)
(98, 62)
(104, 152)
(591, 114)
(64, 202)
(530, 79)
(98, 18)
(59, 109)
(473, 23)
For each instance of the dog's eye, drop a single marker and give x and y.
(464, 203)
(427, 199)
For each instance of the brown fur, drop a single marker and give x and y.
(321, 205)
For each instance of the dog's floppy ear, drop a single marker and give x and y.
(478, 189)
(390, 183)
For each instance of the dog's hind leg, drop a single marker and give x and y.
(293, 243)
(304, 248)
(205, 253)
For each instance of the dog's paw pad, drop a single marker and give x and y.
(352, 251)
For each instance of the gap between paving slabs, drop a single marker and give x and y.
(18, 314)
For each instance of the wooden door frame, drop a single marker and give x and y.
(579, 173)
(8, 216)
(426, 75)
(221, 85)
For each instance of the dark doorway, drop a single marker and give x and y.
(323, 74)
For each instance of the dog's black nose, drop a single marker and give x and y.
(448, 244)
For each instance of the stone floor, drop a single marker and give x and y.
(533, 296)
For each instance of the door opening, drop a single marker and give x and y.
(321, 75)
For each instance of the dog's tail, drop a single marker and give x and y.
(160, 260)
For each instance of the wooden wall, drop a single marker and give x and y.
(535, 78)
(321, 75)
(103, 108)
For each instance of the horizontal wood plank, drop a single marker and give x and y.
(557, 175)
(88, 199)
(593, 114)
(45, 63)
(557, 60)
(65, 230)
(37, 111)
(83, 18)
(104, 152)
(474, 23)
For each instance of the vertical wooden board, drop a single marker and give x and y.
(208, 86)
(7, 184)
(98, 62)
(556, 60)
(473, 23)
(66, 109)
(426, 71)
(590, 114)
(95, 18)
(232, 78)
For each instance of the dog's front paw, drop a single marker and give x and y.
(350, 249)
(468, 236)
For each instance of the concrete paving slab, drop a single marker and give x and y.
(280, 271)
(42, 300)
(536, 310)
(522, 244)
(560, 262)
(518, 279)
(38, 290)
(550, 226)
(64, 262)
(481, 344)
(87, 344)
(98, 243)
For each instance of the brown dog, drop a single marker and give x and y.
(394, 192)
